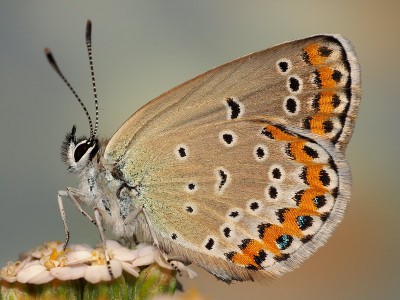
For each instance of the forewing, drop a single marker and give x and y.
(328, 90)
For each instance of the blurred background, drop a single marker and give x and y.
(143, 48)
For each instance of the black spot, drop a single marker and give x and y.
(337, 75)
(307, 123)
(335, 101)
(234, 214)
(174, 236)
(315, 102)
(254, 206)
(288, 151)
(325, 216)
(267, 133)
(276, 173)
(303, 176)
(260, 257)
(335, 192)
(262, 228)
(324, 177)
(306, 239)
(260, 152)
(304, 222)
(191, 186)
(294, 84)
(328, 126)
(235, 108)
(229, 255)
(283, 65)
(324, 51)
(320, 201)
(291, 105)
(228, 138)
(280, 213)
(244, 243)
(273, 192)
(182, 152)
(284, 241)
(317, 79)
(282, 257)
(297, 197)
(223, 177)
(227, 232)
(311, 152)
(306, 58)
(189, 209)
(210, 244)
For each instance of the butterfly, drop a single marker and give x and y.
(240, 170)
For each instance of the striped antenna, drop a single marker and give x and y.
(89, 49)
(53, 63)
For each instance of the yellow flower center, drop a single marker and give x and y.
(55, 259)
(98, 257)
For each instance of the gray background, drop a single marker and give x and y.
(142, 48)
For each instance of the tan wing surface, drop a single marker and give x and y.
(245, 163)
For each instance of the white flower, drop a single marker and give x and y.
(10, 271)
(34, 272)
(38, 271)
(49, 261)
(91, 264)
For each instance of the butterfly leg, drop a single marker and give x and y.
(163, 260)
(60, 194)
(133, 216)
(71, 194)
(99, 224)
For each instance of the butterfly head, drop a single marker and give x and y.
(78, 153)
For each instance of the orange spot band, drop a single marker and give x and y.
(325, 77)
(314, 57)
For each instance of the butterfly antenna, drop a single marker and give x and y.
(53, 63)
(89, 49)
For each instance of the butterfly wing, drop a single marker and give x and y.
(243, 166)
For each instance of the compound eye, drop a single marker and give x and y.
(83, 148)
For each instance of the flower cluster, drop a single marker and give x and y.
(49, 261)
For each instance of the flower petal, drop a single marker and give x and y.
(123, 254)
(69, 273)
(97, 273)
(41, 278)
(32, 269)
(78, 257)
(134, 271)
(111, 244)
